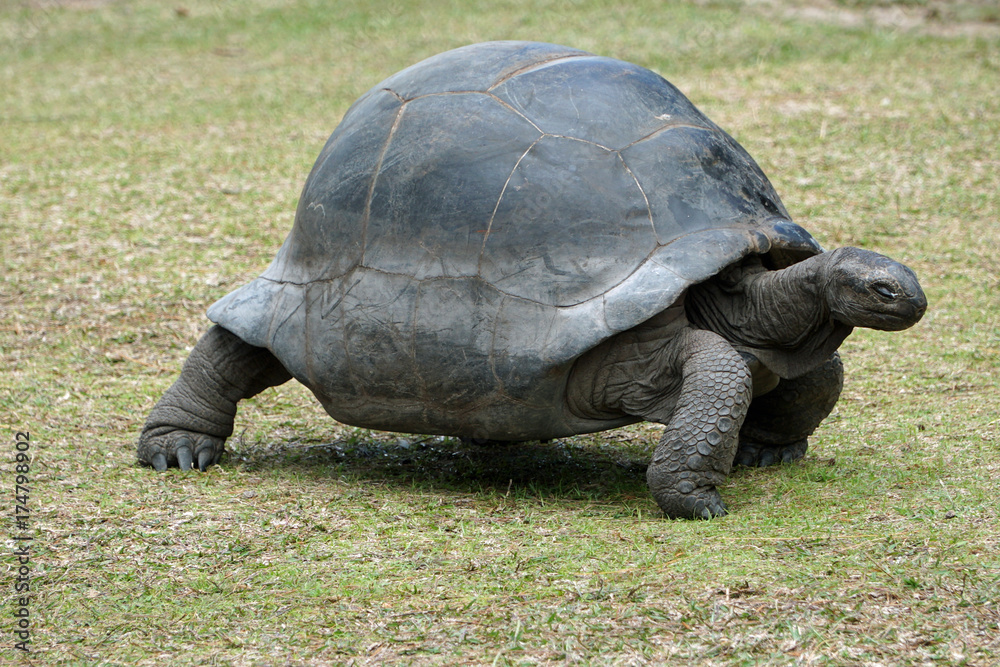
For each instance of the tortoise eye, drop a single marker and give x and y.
(884, 290)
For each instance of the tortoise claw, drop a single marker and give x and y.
(751, 453)
(184, 457)
(180, 449)
(205, 457)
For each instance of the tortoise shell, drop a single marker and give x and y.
(481, 219)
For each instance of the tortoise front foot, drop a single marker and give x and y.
(680, 491)
(696, 450)
(177, 448)
(190, 423)
(756, 454)
(681, 498)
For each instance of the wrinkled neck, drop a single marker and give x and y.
(791, 304)
(754, 307)
(782, 317)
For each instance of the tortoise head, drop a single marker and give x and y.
(867, 289)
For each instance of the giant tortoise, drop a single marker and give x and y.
(515, 241)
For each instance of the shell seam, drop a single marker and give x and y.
(496, 207)
(649, 209)
(667, 128)
(539, 63)
(375, 175)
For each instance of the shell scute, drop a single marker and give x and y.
(564, 199)
(475, 67)
(444, 171)
(571, 98)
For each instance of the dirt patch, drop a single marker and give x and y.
(975, 18)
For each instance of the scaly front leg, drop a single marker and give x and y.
(700, 439)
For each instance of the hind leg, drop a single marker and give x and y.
(779, 423)
(192, 420)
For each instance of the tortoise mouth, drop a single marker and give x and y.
(903, 315)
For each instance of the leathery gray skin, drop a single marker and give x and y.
(696, 381)
(520, 241)
(193, 418)
(700, 382)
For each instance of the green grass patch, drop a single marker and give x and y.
(150, 160)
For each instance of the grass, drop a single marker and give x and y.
(150, 159)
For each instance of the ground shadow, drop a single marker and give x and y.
(573, 468)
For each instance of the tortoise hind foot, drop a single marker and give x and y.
(779, 423)
(754, 454)
(191, 421)
(164, 448)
